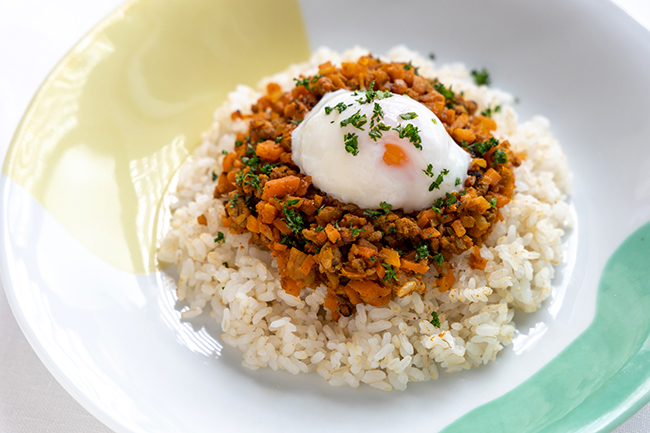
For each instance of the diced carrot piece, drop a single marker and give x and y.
(279, 247)
(332, 304)
(201, 219)
(460, 121)
(479, 162)
(268, 213)
(392, 257)
(381, 271)
(326, 68)
(332, 234)
(458, 228)
(281, 259)
(366, 252)
(252, 224)
(478, 205)
(282, 226)
(416, 267)
(224, 184)
(321, 236)
(353, 296)
(371, 292)
(232, 176)
(476, 261)
(426, 216)
(492, 176)
(502, 200)
(446, 281)
(291, 286)
(430, 232)
(464, 135)
(228, 161)
(306, 266)
(269, 150)
(304, 186)
(280, 187)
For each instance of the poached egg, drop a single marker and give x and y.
(367, 147)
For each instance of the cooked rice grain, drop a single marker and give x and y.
(383, 347)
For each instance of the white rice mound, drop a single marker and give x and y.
(384, 347)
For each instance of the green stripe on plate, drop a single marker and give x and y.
(601, 378)
(114, 120)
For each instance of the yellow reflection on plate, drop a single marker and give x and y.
(126, 106)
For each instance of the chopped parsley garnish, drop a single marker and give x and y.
(356, 120)
(319, 229)
(481, 147)
(226, 265)
(457, 181)
(422, 252)
(233, 201)
(371, 95)
(351, 143)
(481, 77)
(373, 258)
(375, 131)
(214, 176)
(438, 204)
(340, 107)
(220, 237)
(252, 162)
(489, 110)
(438, 258)
(392, 229)
(267, 168)
(377, 114)
(435, 122)
(307, 81)
(410, 66)
(390, 273)
(224, 152)
(435, 321)
(293, 201)
(238, 143)
(447, 93)
(278, 139)
(436, 183)
(355, 231)
(374, 214)
(500, 157)
(248, 178)
(412, 133)
(286, 240)
(451, 198)
(296, 122)
(293, 219)
(493, 202)
(408, 116)
(386, 207)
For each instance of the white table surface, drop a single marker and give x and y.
(34, 36)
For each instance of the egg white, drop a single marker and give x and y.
(366, 179)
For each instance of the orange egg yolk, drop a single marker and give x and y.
(394, 155)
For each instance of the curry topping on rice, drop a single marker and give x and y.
(361, 255)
